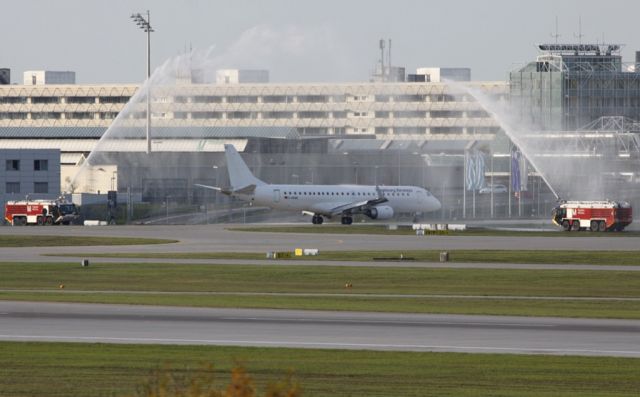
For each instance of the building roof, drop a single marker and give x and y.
(205, 132)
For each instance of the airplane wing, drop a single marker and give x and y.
(209, 187)
(249, 189)
(355, 207)
(216, 188)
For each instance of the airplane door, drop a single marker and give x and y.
(276, 195)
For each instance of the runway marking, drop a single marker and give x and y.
(393, 322)
(530, 350)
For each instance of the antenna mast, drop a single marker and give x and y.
(557, 35)
(382, 74)
(579, 35)
(390, 64)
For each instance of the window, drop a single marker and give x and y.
(81, 99)
(46, 115)
(12, 187)
(207, 99)
(206, 115)
(108, 115)
(242, 99)
(13, 165)
(43, 100)
(13, 99)
(13, 115)
(114, 99)
(40, 165)
(80, 115)
(41, 187)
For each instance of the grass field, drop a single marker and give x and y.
(57, 241)
(461, 256)
(406, 230)
(233, 286)
(73, 369)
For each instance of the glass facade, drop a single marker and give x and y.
(566, 90)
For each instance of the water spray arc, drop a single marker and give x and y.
(491, 107)
(145, 25)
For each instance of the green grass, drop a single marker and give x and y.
(70, 369)
(58, 241)
(406, 230)
(320, 279)
(445, 305)
(171, 284)
(461, 256)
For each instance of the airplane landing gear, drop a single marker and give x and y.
(347, 220)
(317, 220)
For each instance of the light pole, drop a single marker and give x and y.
(113, 179)
(355, 168)
(145, 24)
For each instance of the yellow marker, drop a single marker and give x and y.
(298, 252)
(61, 286)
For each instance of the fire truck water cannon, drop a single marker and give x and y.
(40, 212)
(597, 216)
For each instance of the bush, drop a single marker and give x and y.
(201, 383)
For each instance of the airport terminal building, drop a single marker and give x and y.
(414, 130)
(369, 132)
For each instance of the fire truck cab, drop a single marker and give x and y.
(39, 212)
(597, 216)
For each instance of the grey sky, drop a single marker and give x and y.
(298, 40)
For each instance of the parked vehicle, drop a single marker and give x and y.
(497, 188)
(39, 212)
(597, 216)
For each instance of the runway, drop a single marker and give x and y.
(59, 322)
(216, 238)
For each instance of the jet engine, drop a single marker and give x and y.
(380, 212)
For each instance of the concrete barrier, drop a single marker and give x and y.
(438, 226)
(95, 223)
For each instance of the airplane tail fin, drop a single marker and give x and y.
(239, 174)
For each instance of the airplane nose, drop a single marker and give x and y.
(434, 204)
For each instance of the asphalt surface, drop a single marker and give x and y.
(216, 238)
(59, 322)
(294, 262)
(25, 321)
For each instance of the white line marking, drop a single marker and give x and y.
(392, 322)
(323, 344)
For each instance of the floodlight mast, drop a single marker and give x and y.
(145, 25)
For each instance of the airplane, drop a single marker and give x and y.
(324, 201)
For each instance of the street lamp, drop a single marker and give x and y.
(113, 180)
(145, 25)
(355, 168)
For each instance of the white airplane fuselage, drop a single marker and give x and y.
(344, 201)
(322, 198)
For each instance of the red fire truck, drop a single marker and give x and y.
(597, 216)
(39, 212)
